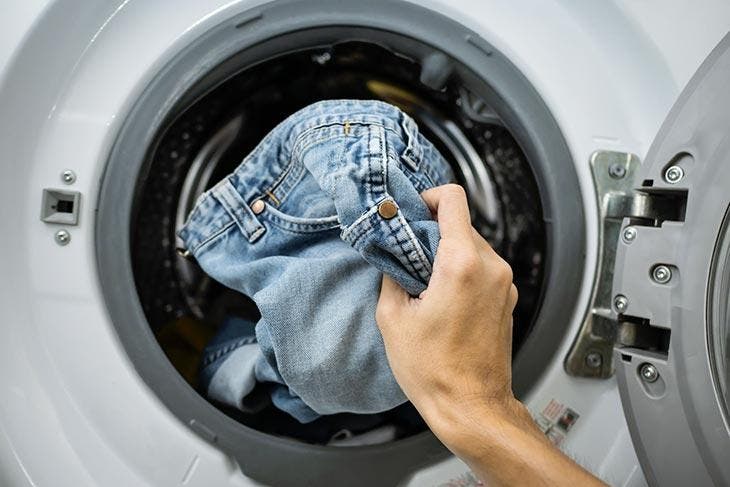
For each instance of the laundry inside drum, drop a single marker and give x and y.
(207, 138)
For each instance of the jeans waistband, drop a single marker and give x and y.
(266, 168)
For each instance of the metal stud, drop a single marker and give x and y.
(62, 237)
(258, 206)
(617, 171)
(648, 373)
(620, 302)
(68, 176)
(594, 360)
(629, 234)
(673, 174)
(661, 274)
(387, 209)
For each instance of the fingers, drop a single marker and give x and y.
(459, 241)
(448, 204)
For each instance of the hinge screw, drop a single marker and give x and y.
(616, 171)
(661, 274)
(594, 360)
(648, 373)
(674, 174)
(620, 302)
(68, 176)
(629, 234)
(62, 237)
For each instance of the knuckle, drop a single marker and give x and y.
(454, 190)
(513, 295)
(503, 273)
(465, 266)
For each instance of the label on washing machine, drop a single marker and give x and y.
(556, 420)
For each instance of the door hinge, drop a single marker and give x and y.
(619, 197)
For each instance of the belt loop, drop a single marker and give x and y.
(239, 210)
(412, 154)
(377, 176)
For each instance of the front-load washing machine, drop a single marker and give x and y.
(591, 138)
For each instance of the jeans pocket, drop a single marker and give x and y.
(298, 224)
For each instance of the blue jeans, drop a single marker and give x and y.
(328, 201)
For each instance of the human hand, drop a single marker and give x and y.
(450, 348)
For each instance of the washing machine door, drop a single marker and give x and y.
(671, 290)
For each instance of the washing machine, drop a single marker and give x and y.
(591, 138)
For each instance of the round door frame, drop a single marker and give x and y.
(260, 33)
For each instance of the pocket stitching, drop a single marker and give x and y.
(214, 235)
(285, 222)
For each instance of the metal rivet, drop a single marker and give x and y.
(661, 274)
(594, 360)
(387, 209)
(648, 372)
(629, 234)
(258, 206)
(620, 302)
(673, 174)
(68, 176)
(62, 237)
(617, 171)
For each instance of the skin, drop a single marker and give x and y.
(450, 350)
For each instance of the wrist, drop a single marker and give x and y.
(474, 423)
(500, 441)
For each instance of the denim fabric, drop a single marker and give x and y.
(312, 258)
(228, 367)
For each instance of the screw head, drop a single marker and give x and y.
(594, 360)
(616, 171)
(673, 174)
(62, 237)
(661, 274)
(629, 234)
(620, 302)
(68, 176)
(648, 372)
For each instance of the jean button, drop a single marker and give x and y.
(387, 209)
(257, 207)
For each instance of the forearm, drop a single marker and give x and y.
(504, 447)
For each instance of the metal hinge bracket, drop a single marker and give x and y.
(614, 176)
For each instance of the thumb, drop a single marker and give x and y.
(393, 298)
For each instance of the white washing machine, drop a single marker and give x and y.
(115, 115)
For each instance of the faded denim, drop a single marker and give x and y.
(312, 257)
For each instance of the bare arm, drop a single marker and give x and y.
(450, 350)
